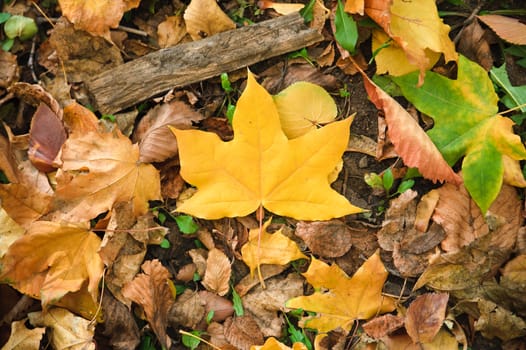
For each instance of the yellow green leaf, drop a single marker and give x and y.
(261, 167)
(340, 300)
(269, 248)
(303, 107)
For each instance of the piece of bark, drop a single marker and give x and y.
(140, 79)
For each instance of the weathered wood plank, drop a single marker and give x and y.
(152, 74)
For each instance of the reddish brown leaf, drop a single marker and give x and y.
(152, 292)
(410, 141)
(220, 306)
(425, 316)
(46, 136)
(474, 45)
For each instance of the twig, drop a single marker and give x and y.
(468, 21)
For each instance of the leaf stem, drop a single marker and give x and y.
(259, 215)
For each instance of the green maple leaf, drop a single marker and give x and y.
(467, 124)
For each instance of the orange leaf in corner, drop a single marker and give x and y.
(261, 167)
(53, 259)
(409, 139)
(344, 299)
(508, 28)
(100, 169)
(151, 290)
(96, 16)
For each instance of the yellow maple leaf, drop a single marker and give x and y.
(261, 167)
(346, 299)
(53, 259)
(269, 248)
(273, 344)
(101, 169)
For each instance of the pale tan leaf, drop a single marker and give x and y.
(205, 18)
(218, 271)
(10, 231)
(510, 29)
(151, 290)
(23, 338)
(425, 209)
(171, 31)
(156, 141)
(280, 7)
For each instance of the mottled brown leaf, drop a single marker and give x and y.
(152, 292)
(243, 332)
(119, 324)
(425, 316)
(474, 44)
(218, 271)
(496, 321)
(325, 238)
(383, 325)
(220, 306)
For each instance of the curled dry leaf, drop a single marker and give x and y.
(330, 239)
(46, 136)
(243, 332)
(151, 290)
(510, 29)
(156, 142)
(218, 271)
(96, 16)
(474, 44)
(204, 18)
(220, 306)
(35, 94)
(425, 316)
(67, 331)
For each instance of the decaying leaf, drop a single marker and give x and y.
(466, 124)
(120, 327)
(151, 290)
(410, 141)
(383, 325)
(100, 169)
(443, 341)
(345, 299)
(474, 44)
(510, 29)
(269, 248)
(204, 18)
(96, 16)
(66, 261)
(68, 331)
(154, 137)
(425, 316)
(496, 321)
(218, 270)
(330, 239)
(243, 332)
(288, 177)
(23, 338)
(303, 107)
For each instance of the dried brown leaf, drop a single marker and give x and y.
(220, 306)
(218, 271)
(243, 332)
(188, 311)
(171, 31)
(425, 209)
(156, 141)
(510, 29)
(152, 292)
(330, 239)
(119, 324)
(425, 316)
(9, 72)
(23, 338)
(474, 45)
(204, 18)
(496, 321)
